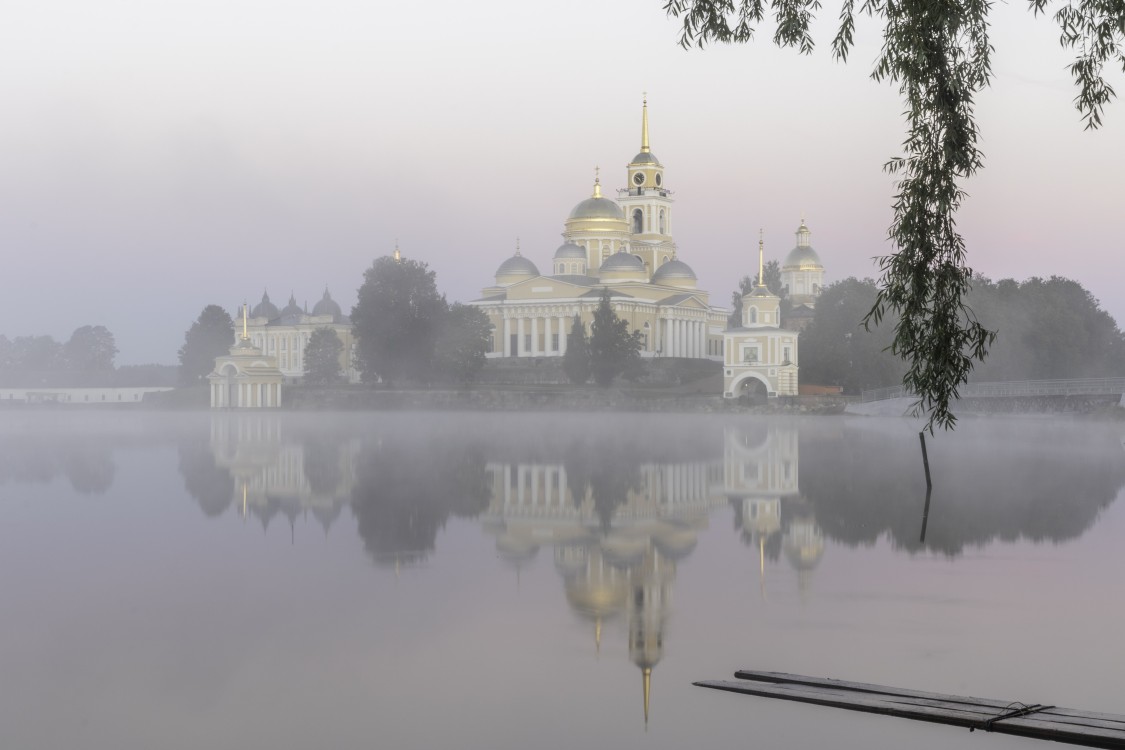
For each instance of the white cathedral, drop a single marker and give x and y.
(624, 246)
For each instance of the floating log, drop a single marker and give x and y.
(1073, 726)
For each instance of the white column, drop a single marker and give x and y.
(535, 337)
(564, 331)
(505, 345)
(690, 337)
(519, 338)
(666, 347)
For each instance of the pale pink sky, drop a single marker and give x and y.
(157, 157)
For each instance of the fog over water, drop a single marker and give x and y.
(507, 581)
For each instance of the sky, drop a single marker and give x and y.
(159, 157)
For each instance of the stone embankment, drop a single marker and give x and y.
(545, 399)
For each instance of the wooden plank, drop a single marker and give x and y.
(932, 707)
(1062, 713)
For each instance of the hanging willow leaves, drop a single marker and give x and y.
(939, 55)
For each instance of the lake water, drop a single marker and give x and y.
(400, 580)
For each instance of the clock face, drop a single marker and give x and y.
(658, 180)
(639, 178)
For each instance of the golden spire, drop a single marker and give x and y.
(398, 255)
(647, 681)
(245, 335)
(761, 260)
(597, 182)
(644, 125)
(598, 635)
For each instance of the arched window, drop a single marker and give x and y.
(638, 221)
(664, 261)
(753, 315)
(662, 221)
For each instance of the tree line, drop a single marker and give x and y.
(1045, 329)
(86, 358)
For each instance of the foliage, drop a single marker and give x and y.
(1046, 328)
(210, 336)
(940, 57)
(396, 320)
(90, 349)
(322, 357)
(836, 348)
(462, 341)
(746, 284)
(614, 350)
(576, 359)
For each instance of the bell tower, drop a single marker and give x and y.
(647, 204)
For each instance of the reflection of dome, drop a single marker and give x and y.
(597, 208)
(803, 545)
(624, 552)
(674, 273)
(570, 251)
(570, 560)
(515, 267)
(327, 306)
(516, 550)
(675, 542)
(265, 309)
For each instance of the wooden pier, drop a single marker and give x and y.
(1037, 721)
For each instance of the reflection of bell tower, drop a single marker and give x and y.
(650, 594)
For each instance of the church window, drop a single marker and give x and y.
(785, 356)
(664, 261)
(662, 221)
(638, 221)
(527, 343)
(554, 342)
(753, 315)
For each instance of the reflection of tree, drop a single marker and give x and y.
(87, 464)
(987, 486)
(322, 462)
(89, 468)
(211, 486)
(407, 489)
(608, 467)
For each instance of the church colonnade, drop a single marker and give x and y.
(245, 395)
(532, 332)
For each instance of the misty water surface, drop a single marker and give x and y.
(423, 580)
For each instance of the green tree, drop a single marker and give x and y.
(35, 357)
(210, 336)
(613, 349)
(462, 341)
(90, 349)
(746, 284)
(940, 56)
(396, 320)
(322, 357)
(836, 348)
(576, 360)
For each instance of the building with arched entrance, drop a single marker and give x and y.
(759, 356)
(246, 378)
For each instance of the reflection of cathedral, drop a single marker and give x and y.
(290, 477)
(623, 246)
(760, 479)
(620, 567)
